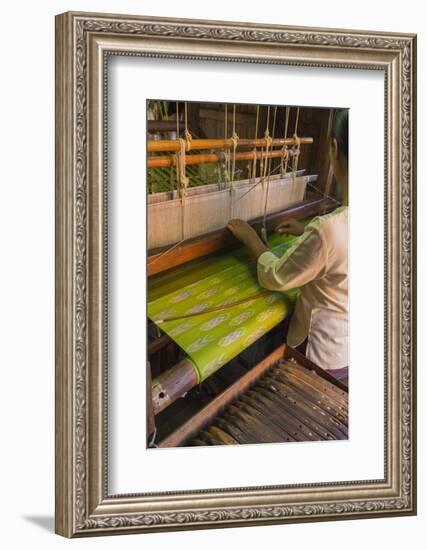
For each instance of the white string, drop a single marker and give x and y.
(182, 183)
(296, 148)
(254, 149)
(269, 161)
(235, 139)
(285, 155)
(323, 193)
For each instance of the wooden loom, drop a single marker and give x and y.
(244, 402)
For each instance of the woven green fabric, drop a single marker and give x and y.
(212, 339)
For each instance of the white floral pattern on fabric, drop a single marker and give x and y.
(272, 298)
(208, 293)
(180, 329)
(228, 301)
(216, 280)
(180, 297)
(245, 305)
(255, 335)
(212, 323)
(241, 318)
(198, 308)
(232, 337)
(270, 312)
(200, 343)
(263, 316)
(214, 365)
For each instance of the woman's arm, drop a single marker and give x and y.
(247, 234)
(303, 262)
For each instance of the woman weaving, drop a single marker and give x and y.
(318, 264)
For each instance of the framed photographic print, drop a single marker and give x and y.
(235, 274)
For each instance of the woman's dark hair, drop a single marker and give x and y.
(340, 130)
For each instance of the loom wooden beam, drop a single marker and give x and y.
(212, 158)
(222, 239)
(164, 145)
(158, 344)
(292, 353)
(164, 125)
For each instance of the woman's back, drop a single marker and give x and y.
(321, 311)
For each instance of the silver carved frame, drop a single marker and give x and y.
(83, 43)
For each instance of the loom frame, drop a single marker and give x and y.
(83, 505)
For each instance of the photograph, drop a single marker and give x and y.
(235, 273)
(247, 263)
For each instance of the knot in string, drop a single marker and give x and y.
(188, 140)
(284, 156)
(268, 139)
(297, 142)
(183, 181)
(235, 139)
(296, 153)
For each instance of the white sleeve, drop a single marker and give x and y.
(303, 262)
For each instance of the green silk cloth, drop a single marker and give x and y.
(213, 338)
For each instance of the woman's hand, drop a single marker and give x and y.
(245, 233)
(242, 230)
(292, 227)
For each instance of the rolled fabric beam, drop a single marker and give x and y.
(173, 384)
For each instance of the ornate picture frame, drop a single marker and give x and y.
(84, 42)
